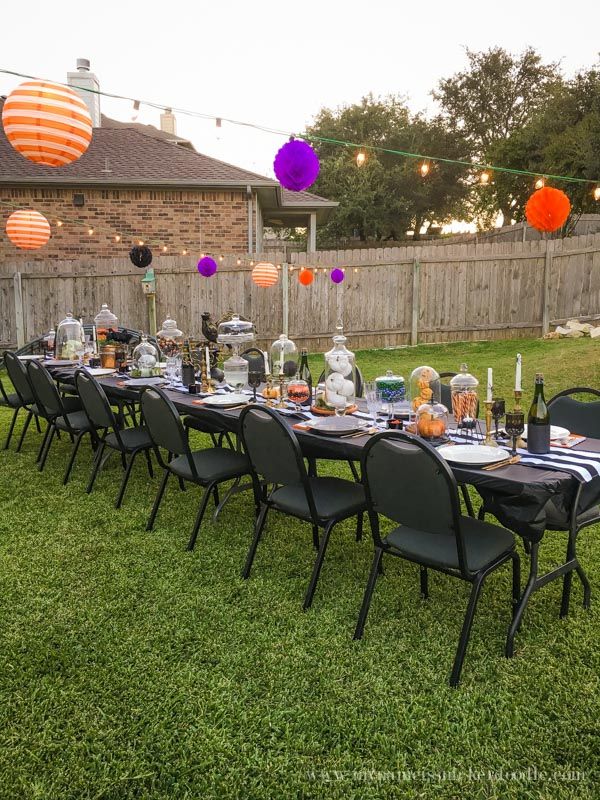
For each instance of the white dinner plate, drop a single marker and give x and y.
(60, 362)
(472, 455)
(99, 371)
(336, 426)
(225, 400)
(556, 432)
(32, 357)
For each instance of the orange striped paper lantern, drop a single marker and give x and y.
(265, 274)
(28, 229)
(47, 123)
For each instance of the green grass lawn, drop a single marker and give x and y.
(130, 668)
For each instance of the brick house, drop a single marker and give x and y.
(140, 182)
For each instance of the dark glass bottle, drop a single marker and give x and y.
(188, 373)
(304, 371)
(538, 420)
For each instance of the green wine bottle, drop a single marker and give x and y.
(304, 370)
(538, 420)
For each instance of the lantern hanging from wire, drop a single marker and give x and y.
(547, 209)
(296, 165)
(28, 229)
(265, 274)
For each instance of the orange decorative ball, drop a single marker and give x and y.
(265, 274)
(306, 276)
(28, 229)
(47, 123)
(547, 209)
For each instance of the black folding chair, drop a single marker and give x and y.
(583, 418)
(207, 468)
(126, 441)
(22, 399)
(55, 410)
(408, 482)
(276, 458)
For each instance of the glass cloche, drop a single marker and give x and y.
(105, 321)
(432, 420)
(340, 374)
(424, 387)
(170, 338)
(391, 390)
(235, 332)
(465, 403)
(69, 338)
(284, 357)
(145, 357)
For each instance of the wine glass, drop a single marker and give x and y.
(373, 399)
(173, 370)
(498, 411)
(80, 353)
(255, 378)
(515, 425)
(298, 391)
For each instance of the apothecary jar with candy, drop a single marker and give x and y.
(105, 322)
(424, 387)
(340, 374)
(170, 339)
(465, 403)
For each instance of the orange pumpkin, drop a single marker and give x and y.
(430, 426)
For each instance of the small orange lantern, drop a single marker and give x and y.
(47, 123)
(305, 276)
(28, 229)
(547, 209)
(265, 274)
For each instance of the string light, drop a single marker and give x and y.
(355, 269)
(164, 248)
(184, 252)
(58, 223)
(540, 183)
(91, 231)
(239, 261)
(141, 242)
(484, 178)
(361, 157)
(597, 193)
(252, 263)
(424, 169)
(117, 238)
(221, 258)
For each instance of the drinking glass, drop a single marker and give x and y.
(498, 411)
(80, 353)
(254, 381)
(173, 370)
(298, 391)
(372, 398)
(515, 425)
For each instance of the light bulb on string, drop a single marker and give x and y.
(540, 183)
(164, 248)
(597, 193)
(59, 223)
(484, 178)
(221, 258)
(91, 231)
(117, 238)
(424, 169)
(361, 157)
(239, 261)
(141, 242)
(184, 252)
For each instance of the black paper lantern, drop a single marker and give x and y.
(141, 256)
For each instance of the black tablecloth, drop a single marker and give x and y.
(517, 494)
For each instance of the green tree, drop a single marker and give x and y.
(386, 196)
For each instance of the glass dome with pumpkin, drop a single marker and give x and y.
(432, 421)
(69, 339)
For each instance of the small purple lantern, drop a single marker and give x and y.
(207, 266)
(296, 165)
(337, 275)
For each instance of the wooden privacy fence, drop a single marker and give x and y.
(390, 296)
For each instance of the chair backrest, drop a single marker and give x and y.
(17, 372)
(46, 394)
(408, 482)
(255, 359)
(163, 422)
(445, 393)
(271, 446)
(578, 416)
(95, 402)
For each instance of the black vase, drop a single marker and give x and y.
(188, 374)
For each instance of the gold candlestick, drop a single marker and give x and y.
(518, 395)
(489, 440)
(269, 390)
(281, 403)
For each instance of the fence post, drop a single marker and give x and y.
(19, 315)
(416, 302)
(285, 288)
(546, 295)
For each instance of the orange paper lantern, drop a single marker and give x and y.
(265, 274)
(547, 209)
(28, 229)
(306, 277)
(47, 123)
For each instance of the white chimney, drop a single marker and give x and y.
(168, 123)
(83, 80)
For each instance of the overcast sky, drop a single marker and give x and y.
(277, 63)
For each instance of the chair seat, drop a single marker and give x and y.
(557, 520)
(132, 438)
(12, 401)
(484, 543)
(334, 498)
(78, 421)
(213, 464)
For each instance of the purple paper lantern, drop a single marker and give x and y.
(207, 266)
(296, 165)
(337, 275)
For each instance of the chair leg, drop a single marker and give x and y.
(37, 424)
(182, 486)
(359, 526)
(354, 471)
(466, 632)
(566, 594)
(44, 440)
(199, 516)
(24, 431)
(12, 427)
(74, 450)
(310, 592)
(149, 463)
(366, 603)
(216, 496)
(157, 500)
(520, 608)
(48, 443)
(95, 467)
(467, 499)
(258, 529)
(587, 589)
(315, 535)
(125, 480)
(424, 581)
